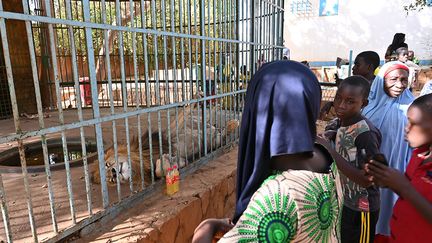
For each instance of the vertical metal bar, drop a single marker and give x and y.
(228, 63)
(209, 79)
(182, 57)
(95, 104)
(273, 34)
(203, 74)
(148, 102)
(259, 33)
(5, 212)
(275, 28)
(221, 64)
(190, 73)
(124, 91)
(232, 65)
(215, 43)
(264, 33)
(75, 76)
(59, 34)
(281, 24)
(237, 36)
(60, 110)
(17, 124)
(268, 14)
(167, 93)
(268, 34)
(197, 79)
(282, 5)
(158, 99)
(111, 96)
(135, 68)
(40, 114)
(252, 36)
(172, 17)
(257, 9)
(245, 52)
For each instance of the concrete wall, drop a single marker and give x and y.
(207, 193)
(360, 25)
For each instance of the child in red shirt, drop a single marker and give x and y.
(412, 214)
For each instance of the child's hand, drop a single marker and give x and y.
(321, 139)
(205, 231)
(223, 225)
(385, 176)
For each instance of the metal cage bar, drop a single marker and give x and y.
(107, 65)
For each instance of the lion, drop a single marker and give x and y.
(188, 140)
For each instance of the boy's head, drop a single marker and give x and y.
(366, 63)
(410, 55)
(402, 54)
(419, 128)
(351, 97)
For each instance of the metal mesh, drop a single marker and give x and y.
(328, 91)
(136, 83)
(5, 105)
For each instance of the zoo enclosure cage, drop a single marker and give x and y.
(129, 67)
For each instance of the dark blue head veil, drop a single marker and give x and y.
(281, 108)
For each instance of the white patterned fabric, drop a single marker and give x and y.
(295, 206)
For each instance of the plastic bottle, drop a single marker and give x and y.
(169, 182)
(176, 177)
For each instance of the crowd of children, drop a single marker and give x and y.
(288, 187)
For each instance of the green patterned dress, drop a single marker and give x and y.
(295, 206)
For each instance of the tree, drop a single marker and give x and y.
(416, 5)
(125, 19)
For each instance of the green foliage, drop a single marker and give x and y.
(417, 5)
(186, 22)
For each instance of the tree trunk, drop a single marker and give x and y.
(125, 19)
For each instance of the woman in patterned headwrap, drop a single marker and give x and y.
(389, 100)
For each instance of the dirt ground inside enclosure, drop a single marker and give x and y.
(14, 186)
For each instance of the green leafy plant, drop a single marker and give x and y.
(417, 5)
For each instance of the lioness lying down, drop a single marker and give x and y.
(188, 141)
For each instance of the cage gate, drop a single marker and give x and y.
(98, 98)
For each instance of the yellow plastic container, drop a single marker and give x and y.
(176, 177)
(169, 179)
(172, 179)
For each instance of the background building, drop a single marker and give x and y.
(353, 25)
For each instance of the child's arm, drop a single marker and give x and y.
(369, 142)
(396, 181)
(354, 174)
(205, 231)
(330, 130)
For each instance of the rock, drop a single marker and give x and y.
(181, 236)
(205, 200)
(150, 235)
(168, 230)
(190, 216)
(231, 184)
(230, 201)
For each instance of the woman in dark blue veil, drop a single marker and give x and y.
(281, 107)
(288, 187)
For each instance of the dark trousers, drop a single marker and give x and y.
(358, 226)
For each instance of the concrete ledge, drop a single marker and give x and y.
(208, 193)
